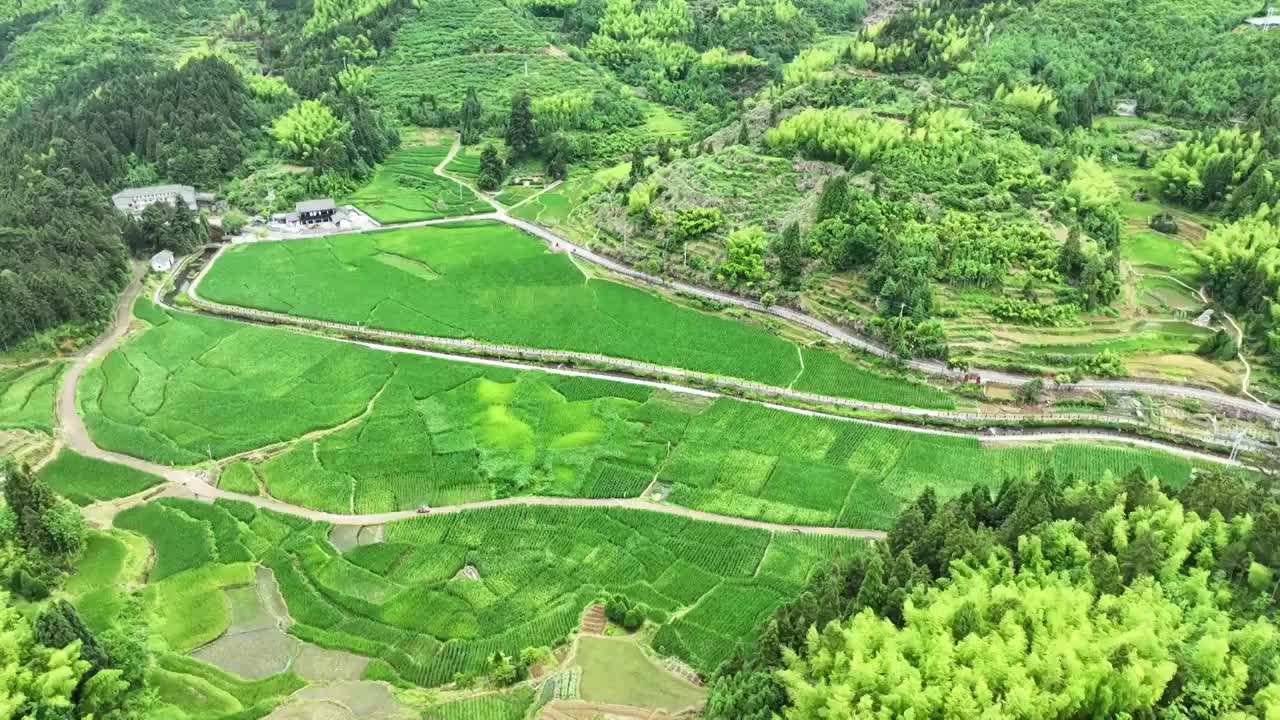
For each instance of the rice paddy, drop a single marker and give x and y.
(536, 569)
(85, 480)
(490, 282)
(345, 428)
(26, 396)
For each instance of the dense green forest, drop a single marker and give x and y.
(1050, 598)
(133, 117)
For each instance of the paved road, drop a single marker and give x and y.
(848, 337)
(715, 386)
(824, 327)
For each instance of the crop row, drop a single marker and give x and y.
(537, 569)
(394, 431)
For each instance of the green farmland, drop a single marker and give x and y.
(490, 282)
(26, 396)
(85, 480)
(406, 189)
(444, 49)
(532, 571)
(394, 430)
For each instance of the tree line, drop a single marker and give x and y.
(1163, 604)
(52, 666)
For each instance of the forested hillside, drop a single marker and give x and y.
(1159, 606)
(124, 112)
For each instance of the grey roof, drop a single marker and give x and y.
(314, 205)
(164, 257)
(126, 197)
(1266, 21)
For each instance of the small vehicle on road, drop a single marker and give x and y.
(422, 510)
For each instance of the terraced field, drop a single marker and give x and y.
(450, 46)
(405, 188)
(491, 282)
(384, 431)
(537, 569)
(84, 480)
(26, 396)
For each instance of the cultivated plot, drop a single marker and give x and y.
(451, 46)
(405, 603)
(345, 428)
(405, 188)
(491, 282)
(85, 480)
(26, 396)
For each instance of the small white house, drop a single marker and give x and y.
(162, 261)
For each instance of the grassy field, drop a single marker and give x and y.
(406, 189)
(112, 563)
(491, 282)
(439, 50)
(84, 480)
(397, 430)
(26, 396)
(402, 602)
(616, 671)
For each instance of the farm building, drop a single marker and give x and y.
(1266, 22)
(135, 200)
(162, 261)
(315, 211)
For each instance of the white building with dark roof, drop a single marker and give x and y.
(315, 211)
(135, 200)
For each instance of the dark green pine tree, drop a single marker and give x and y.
(790, 253)
(522, 139)
(834, 201)
(492, 170)
(472, 116)
(59, 625)
(638, 170)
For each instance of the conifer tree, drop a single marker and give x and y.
(472, 115)
(522, 138)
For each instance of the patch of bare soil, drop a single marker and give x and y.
(321, 665)
(469, 572)
(343, 701)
